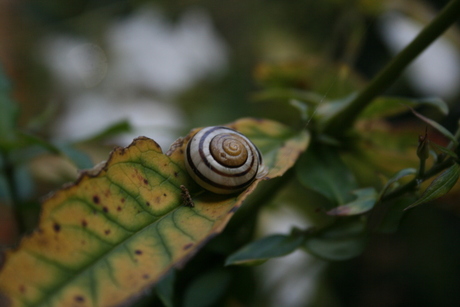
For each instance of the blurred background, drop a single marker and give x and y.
(77, 68)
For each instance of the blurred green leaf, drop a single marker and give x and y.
(207, 289)
(444, 150)
(391, 106)
(112, 130)
(402, 173)
(364, 202)
(44, 118)
(341, 241)
(328, 110)
(77, 157)
(322, 170)
(301, 107)
(440, 185)
(165, 288)
(437, 126)
(8, 113)
(261, 250)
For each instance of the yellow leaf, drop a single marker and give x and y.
(112, 234)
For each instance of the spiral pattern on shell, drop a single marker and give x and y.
(223, 160)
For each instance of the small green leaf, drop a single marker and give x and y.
(301, 107)
(207, 289)
(437, 126)
(364, 202)
(328, 110)
(112, 130)
(261, 250)
(79, 158)
(402, 173)
(440, 186)
(322, 170)
(165, 288)
(391, 106)
(444, 150)
(341, 241)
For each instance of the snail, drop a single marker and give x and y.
(222, 160)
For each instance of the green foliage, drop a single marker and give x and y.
(440, 186)
(269, 247)
(348, 203)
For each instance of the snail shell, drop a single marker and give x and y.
(223, 160)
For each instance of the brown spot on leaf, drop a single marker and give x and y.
(22, 289)
(148, 204)
(105, 209)
(83, 242)
(96, 199)
(176, 174)
(56, 227)
(181, 151)
(79, 299)
(146, 276)
(122, 200)
(187, 246)
(118, 208)
(107, 231)
(138, 252)
(157, 199)
(84, 223)
(164, 194)
(146, 181)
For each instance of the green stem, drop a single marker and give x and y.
(344, 119)
(411, 185)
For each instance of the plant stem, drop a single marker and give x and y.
(410, 186)
(344, 119)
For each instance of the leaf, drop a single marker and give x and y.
(77, 157)
(301, 107)
(341, 241)
(165, 288)
(328, 110)
(403, 173)
(437, 126)
(114, 233)
(364, 202)
(440, 185)
(444, 150)
(199, 293)
(112, 130)
(322, 170)
(261, 250)
(391, 106)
